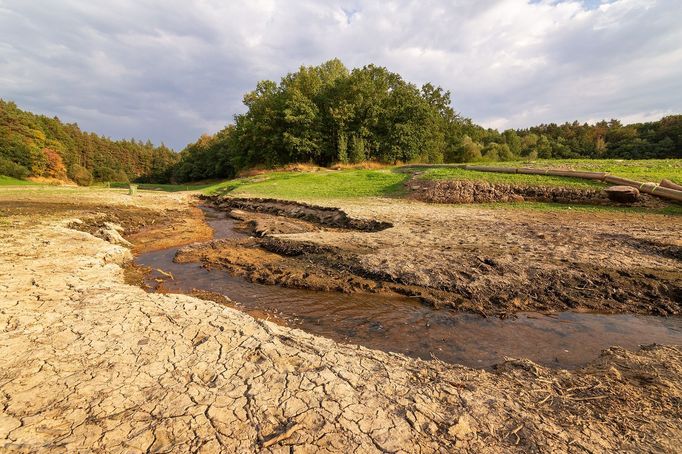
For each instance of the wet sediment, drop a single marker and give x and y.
(474, 281)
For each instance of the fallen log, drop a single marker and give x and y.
(670, 185)
(655, 189)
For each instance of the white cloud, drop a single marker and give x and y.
(171, 70)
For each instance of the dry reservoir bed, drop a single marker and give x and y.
(380, 319)
(88, 362)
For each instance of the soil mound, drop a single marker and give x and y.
(324, 216)
(466, 191)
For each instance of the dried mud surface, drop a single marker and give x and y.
(492, 262)
(480, 191)
(90, 364)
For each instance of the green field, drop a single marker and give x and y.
(389, 182)
(453, 173)
(9, 181)
(163, 187)
(339, 184)
(640, 170)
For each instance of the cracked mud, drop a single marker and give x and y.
(88, 363)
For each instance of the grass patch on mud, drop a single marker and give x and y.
(340, 184)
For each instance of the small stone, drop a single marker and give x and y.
(615, 373)
(462, 429)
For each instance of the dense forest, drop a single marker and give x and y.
(39, 146)
(327, 114)
(322, 115)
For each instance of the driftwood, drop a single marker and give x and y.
(670, 185)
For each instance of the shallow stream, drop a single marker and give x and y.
(403, 325)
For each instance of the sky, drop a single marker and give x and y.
(171, 70)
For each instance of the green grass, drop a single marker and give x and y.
(453, 173)
(9, 181)
(640, 170)
(164, 187)
(339, 184)
(643, 170)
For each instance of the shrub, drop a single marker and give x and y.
(12, 169)
(55, 165)
(80, 175)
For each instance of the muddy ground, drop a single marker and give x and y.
(88, 363)
(476, 260)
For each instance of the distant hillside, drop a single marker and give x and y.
(36, 145)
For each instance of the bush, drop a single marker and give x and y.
(12, 169)
(108, 174)
(80, 175)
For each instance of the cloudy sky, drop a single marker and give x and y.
(170, 70)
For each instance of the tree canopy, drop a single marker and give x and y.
(36, 145)
(326, 114)
(329, 114)
(322, 115)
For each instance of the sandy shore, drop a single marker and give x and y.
(88, 363)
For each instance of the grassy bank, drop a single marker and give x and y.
(323, 184)
(640, 170)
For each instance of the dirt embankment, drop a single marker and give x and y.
(324, 216)
(480, 191)
(441, 266)
(88, 363)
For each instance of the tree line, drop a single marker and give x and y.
(327, 114)
(322, 115)
(39, 146)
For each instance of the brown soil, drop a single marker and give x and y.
(90, 364)
(324, 216)
(479, 191)
(496, 267)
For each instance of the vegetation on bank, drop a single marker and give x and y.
(653, 170)
(323, 184)
(39, 146)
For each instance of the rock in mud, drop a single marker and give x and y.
(622, 194)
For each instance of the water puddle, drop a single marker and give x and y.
(398, 324)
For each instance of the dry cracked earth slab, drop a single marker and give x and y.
(90, 364)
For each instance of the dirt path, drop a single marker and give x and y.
(88, 363)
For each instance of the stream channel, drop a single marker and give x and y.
(403, 325)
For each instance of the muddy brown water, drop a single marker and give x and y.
(403, 325)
